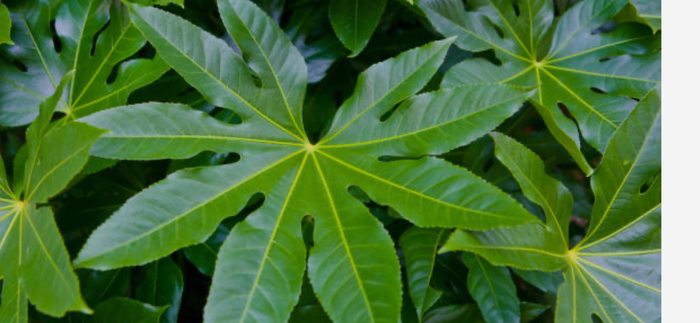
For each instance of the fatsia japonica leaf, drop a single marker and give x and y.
(36, 266)
(352, 265)
(493, 289)
(31, 69)
(573, 62)
(354, 21)
(419, 247)
(615, 271)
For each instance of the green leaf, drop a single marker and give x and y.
(645, 11)
(625, 229)
(36, 266)
(98, 286)
(233, 88)
(30, 244)
(547, 282)
(353, 262)
(38, 65)
(162, 285)
(595, 74)
(5, 25)
(385, 84)
(624, 232)
(267, 283)
(203, 255)
(419, 247)
(180, 133)
(126, 310)
(493, 289)
(60, 156)
(454, 314)
(354, 21)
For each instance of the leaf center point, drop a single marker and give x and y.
(309, 147)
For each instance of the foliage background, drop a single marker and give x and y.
(182, 280)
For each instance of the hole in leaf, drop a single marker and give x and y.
(517, 9)
(387, 158)
(649, 183)
(498, 29)
(257, 81)
(565, 111)
(113, 73)
(57, 46)
(597, 90)
(389, 113)
(359, 194)
(20, 66)
(307, 229)
(604, 59)
(232, 158)
(254, 202)
(96, 37)
(596, 319)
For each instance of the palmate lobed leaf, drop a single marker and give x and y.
(352, 265)
(36, 63)
(573, 61)
(36, 266)
(615, 271)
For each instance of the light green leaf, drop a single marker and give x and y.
(625, 229)
(594, 74)
(354, 21)
(60, 156)
(353, 265)
(261, 264)
(14, 309)
(39, 66)
(36, 265)
(126, 310)
(384, 84)
(419, 247)
(166, 130)
(493, 289)
(5, 25)
(271, 55)
(624, 232)
(180, 44)
(208, 195)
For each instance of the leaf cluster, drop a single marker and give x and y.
(330, 161)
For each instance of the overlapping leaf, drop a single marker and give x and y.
(36, 266)
(574, 62)
(31, 68)
(615, 271)
(354, 21)
(352, 265)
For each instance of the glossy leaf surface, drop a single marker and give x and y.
(573, 62)
(624, 231)
(35, 65)
(354, 21)
(352, 264)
